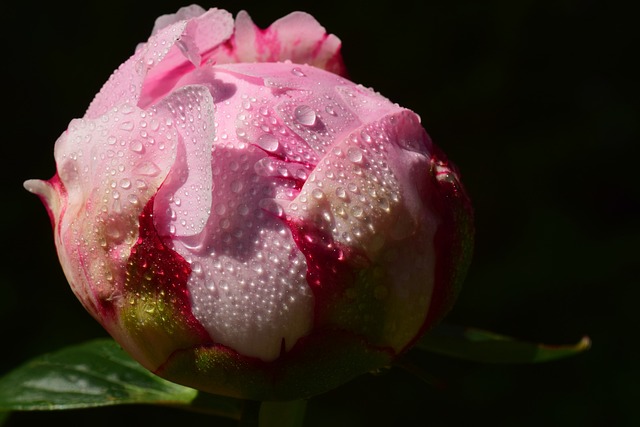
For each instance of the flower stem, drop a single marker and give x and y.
(282, 414)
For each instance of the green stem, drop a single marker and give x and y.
(282, 414)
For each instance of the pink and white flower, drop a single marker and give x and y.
(245, 220)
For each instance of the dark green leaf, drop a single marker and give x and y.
(96, 373)
(483, 346)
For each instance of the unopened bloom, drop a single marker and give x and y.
(244, 220)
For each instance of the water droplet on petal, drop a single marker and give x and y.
(136, 146)
(272, 206)
(305, 115)
(268, 142)
(354, 154)
(147, 169)
(365, 136)
(220, 209)
(298, 72)
(196, 268)
(384, 204)
(236, 186)
(317, 193)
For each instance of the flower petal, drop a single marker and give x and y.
(156, 65)
(183, 204)
(108, 168)
(297, 37)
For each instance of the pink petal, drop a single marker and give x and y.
(183, 14)
(183, 204)
(156, 65)
(297, 37)
(108, 168)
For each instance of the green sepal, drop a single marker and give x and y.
(317, 363)
(488, 347)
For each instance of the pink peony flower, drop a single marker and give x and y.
(244, 220)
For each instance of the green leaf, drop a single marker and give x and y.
(97, 373)
(488, 347)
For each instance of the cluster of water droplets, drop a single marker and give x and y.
(352, 190)
(287, 149)
(111, 166)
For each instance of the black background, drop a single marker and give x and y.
(536, 101)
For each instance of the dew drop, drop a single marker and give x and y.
(113, 232)
(268, 142)
(329, 109)
(298, 72)
(365, 136)
(196, 268)
(341, 193)
(354, 154)
(283, 171)
(125, 183)
(136, 146)
(236, 186)
(220, 209)
(317, 193)
(146, 169)
(384, 204)
(272, 206)
(305, 115)
(243, 209)
(301, 174)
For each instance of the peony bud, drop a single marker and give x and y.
(244, 220)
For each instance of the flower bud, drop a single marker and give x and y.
(243, 219)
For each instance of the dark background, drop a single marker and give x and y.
(536, 101)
